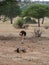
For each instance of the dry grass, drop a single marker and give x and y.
(37, 49)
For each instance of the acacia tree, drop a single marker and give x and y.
(1, 7)
(47, 15)
(2, 10)
(46, 12)
(10, 9)
(37, 11)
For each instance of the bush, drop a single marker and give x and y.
(29, 20)
(37, 32)
(19, 23)
(34, 21)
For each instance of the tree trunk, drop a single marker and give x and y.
(42, 20)
(11, 19)
(38, 22)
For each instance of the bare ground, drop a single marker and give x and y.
(37, 49)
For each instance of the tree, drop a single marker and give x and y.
(46, 13)
(2, 11)
(10, 9)
(37, 11)
(1, 7)
(47, 9)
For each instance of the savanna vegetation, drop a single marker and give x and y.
(11, 9)
(31, 48)
(37, 11)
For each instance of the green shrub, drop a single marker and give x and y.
(29, 20)
(19, 23)
(34, 21)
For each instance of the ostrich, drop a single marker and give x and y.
(22, 34)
